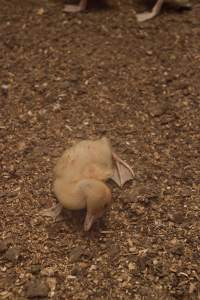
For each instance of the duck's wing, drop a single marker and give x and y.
(122, 172)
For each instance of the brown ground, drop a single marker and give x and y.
(70, 77)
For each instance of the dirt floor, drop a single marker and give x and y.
(64, 78)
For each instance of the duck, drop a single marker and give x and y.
(80, 179)
(158, 6)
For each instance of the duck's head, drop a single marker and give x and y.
(97, 197)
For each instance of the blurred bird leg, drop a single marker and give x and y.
(149, 15)
(76, 8)
(89, 220)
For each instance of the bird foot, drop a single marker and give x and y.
(145, 16)
(53, 212)
(122, 172)
(72, 8)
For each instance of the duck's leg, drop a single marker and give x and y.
(76, 8)
(149, 15)
(122, 171)
(52, 212)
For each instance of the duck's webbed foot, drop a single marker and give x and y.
(53, 212)
(145, 16)
(122, 171)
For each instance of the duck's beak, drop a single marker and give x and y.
(89, 220)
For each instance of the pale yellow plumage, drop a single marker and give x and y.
(80, 176)
(87, 159)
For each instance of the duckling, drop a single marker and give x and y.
(158, 6)
(80, 176)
